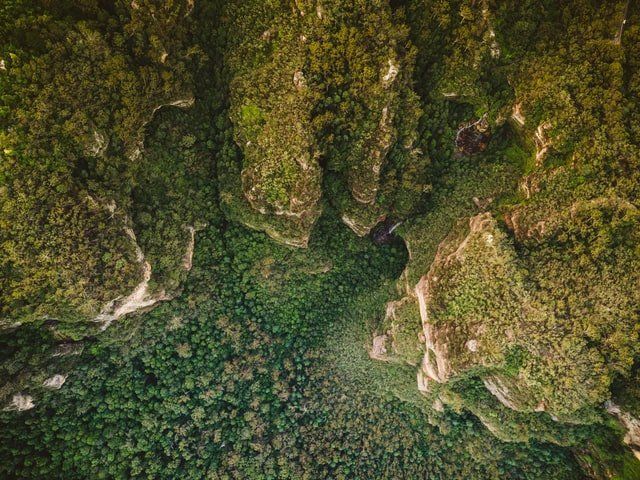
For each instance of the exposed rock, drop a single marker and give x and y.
(623, 22)
(21, 402)
(378, 350)
(391, 74)
(532, 184)
(631, 423)
(529, 186)
(280, 178)
(499, 390)
(423, 382)
(482, 255)
(109, 206)
(190, 5)
(7, 324)
(137, 300)
(300, 207)
(364, 178)
(98, 144)
(66, 349)
(140, 298)
(135, 153)
(437, 405)
(472, 345)
(187, 259)
(436, 364)
(473, 137)
(299, 80)
(383, 232)
(525, 229)
(180, 103)
(541, 407)
(55, 382)
(301, 241)
(543, 142)
(483, 203)
(494, 48)
(517, 115)
(500, 311)
(358, 227)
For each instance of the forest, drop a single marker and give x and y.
(320, 239)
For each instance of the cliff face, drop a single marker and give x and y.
(523, 314)
(486, 310)
(474, 311)
(309, 74)
(75, 144)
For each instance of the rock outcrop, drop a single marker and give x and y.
(21, 402)
(278, 116)
(55, 382)
(630, 423)
(364, 177)
(473, 137)
(277, 186)
(141, 298)
(67, 349)
(543, 142)
(97, 144)
(475, 313)
(480, 258)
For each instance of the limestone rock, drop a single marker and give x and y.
(21, 402)
(55, 382)
(631, 423)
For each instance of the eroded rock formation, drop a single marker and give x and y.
(275, 105)
(630, 423)
(21, 402)
(55, 382)
(475, 313)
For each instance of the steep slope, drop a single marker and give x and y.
(314, 90)
(535, 301)
(73, 130)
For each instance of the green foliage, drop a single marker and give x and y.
(229, 381)
(321, 88)
(75, 99)
(295, 118)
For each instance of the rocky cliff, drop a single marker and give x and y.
(281, 112)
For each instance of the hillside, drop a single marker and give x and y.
(308, 239)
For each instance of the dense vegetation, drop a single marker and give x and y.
(462, 177)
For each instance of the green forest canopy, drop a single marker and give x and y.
(234, 234)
